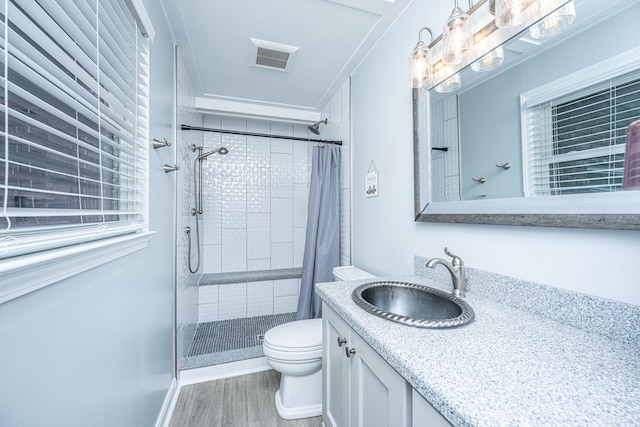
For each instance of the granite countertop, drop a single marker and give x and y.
(508, 367)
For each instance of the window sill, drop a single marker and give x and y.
(28, 273)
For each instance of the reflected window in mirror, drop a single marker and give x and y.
(576, 143)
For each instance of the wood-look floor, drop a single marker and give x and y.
(245, 401)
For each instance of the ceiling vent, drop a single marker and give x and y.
(271, 55)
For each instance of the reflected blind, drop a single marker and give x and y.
(576, 143)
(74, 123)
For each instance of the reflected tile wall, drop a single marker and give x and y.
(445, 167)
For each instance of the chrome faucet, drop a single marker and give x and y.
(456, 268)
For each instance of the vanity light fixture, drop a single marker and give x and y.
(555, 23)
(420, 63)
(452, 83)
(491, 60)
(457, 37)
(511, 13)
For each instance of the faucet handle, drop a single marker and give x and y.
(457, 261)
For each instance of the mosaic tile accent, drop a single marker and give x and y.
(234, 334)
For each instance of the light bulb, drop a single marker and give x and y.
(511, 13)
(555, 23)
(457, 38)
(491, 60)
(420, 65)
(452, 83)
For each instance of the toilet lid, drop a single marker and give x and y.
(300, 335)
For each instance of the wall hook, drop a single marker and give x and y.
(506, 166)
(481, 180)
(159, 144)
(170, 168)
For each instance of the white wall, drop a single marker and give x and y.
(97, 349)
(385, 237)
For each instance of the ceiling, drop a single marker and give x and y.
(331, 36)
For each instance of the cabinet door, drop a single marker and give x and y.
(425, 415)
(379, 395)
(335, 365)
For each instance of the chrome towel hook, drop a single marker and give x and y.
(159, 144)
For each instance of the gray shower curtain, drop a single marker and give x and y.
(322, 247)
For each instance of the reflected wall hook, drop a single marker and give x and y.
(170, 168)
(481, 180)
(506, 166)
(159, 144)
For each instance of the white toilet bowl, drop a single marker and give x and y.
(295, 350)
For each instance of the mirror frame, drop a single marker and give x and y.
(575, 211)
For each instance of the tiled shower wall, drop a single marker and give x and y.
(445, 164)
(255, 197)
(255, 209)
(338, 111)
(186, 283)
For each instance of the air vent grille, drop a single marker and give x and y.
(272, 58)
(275, 56)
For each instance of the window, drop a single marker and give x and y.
(575, 142)
(74, 123)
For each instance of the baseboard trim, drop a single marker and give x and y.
(169, 404)
(224, 370)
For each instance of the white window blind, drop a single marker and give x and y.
(74, 123)
(576, 142)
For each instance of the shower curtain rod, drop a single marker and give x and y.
(263, 135)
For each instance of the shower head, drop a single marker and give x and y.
(315, 128)
(221, 151)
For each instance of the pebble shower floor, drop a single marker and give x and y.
(231, 340)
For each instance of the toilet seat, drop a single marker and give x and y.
(298, 340)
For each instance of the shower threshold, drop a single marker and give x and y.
(230, 340)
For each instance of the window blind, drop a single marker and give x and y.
(576, 143)
(74, 123)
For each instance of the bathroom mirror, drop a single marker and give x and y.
(473, 147)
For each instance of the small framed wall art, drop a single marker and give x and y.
(372, 181)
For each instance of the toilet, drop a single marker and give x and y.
(295, 350)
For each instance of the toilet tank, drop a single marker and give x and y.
(349, 272)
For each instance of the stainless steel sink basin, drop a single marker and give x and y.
(413, 305)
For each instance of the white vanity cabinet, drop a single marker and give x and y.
(336, 380)
(425, 415)
(360, 389)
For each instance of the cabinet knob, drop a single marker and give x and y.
(349, 351)
(341, 341)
